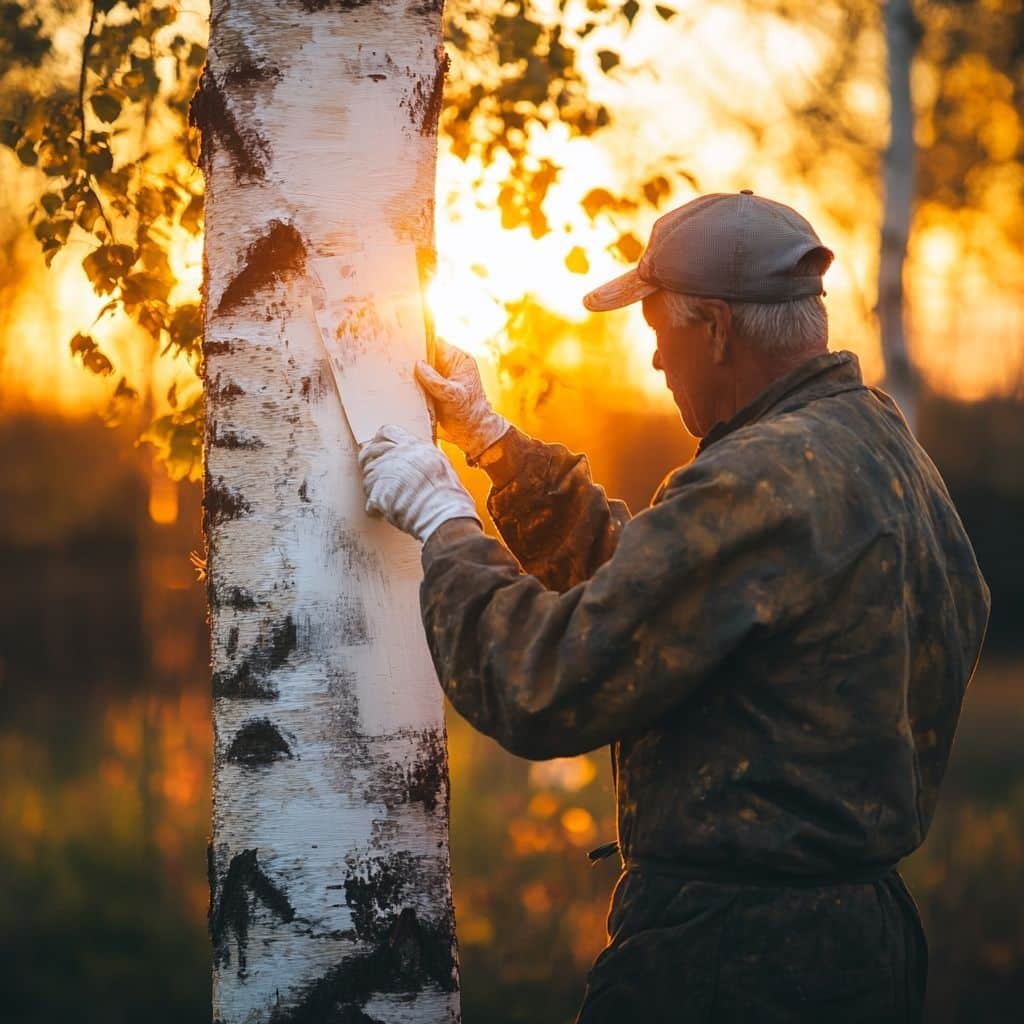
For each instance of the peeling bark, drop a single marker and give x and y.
(330, 895)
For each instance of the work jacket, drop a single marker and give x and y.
(776, 649)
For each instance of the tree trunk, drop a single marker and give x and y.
(901, 32)
(330, 893)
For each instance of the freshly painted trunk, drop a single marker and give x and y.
(330, 893)
(901, 31)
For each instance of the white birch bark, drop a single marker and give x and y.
(330, 894)
(898, 187)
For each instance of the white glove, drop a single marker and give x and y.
(463, 411)
(411, 483)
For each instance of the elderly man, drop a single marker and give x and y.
(776, 650)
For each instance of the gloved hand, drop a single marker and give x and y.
(463, 411)
(411, 483)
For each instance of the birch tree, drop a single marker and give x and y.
(901, 36)
(330, 895)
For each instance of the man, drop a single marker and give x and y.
(776, 649)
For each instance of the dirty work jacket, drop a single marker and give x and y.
(776, 649)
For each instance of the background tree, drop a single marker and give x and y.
(901, 37)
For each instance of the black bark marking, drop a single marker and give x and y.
(315, 6)
(249, 679)
(233, 439)
(211, 878)
(373, 888)
(425, 104)
(352, 623)
(314, 388)
(217, 348)
(304, 491)
(244, 883)
(221, 504)
(411, 956)
(210, 113)
(276, 256)
(341, 687)
(428, 777)
(237, 597)
(232, 647)
(249, 71)
(258, 742)
(224, 392)
(354, 555)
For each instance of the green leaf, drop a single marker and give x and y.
(27, 154)
(186, 327)
(630, 9)
(51, 202)
(106, 265)
(88, 212)
(139, 287)
(609, 59)
(98, 161)
(93, 359)
(576, 261)
(125, 391)
(196, 56)
(596, 200)
(656, 189)
(106, 106)
(628, 247)
(667, 13)
(10, 132)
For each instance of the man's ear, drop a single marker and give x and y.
(719, 320)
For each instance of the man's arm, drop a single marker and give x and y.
(559, 524)
(551, 675)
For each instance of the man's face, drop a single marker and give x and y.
(683, 354)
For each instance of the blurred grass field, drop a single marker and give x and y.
(105, 748)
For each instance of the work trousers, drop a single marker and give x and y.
(699, 952)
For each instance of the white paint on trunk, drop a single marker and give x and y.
(898, 186)
(329, 859)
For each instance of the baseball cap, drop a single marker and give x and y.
(726, 245)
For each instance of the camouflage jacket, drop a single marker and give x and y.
(776, 649)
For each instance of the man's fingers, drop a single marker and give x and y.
(436, 385)
(371, 451)
(382, 442)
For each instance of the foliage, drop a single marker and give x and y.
(113, 143)
(110, 140)
(516, 69)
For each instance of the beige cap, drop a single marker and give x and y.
(734, 246)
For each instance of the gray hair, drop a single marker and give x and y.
(779, 328)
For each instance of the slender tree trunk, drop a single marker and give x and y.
(901, 33)
(330, 894)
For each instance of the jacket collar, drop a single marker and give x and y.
(820, 377)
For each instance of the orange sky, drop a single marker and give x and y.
(667, 100)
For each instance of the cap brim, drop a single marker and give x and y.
(621, 291)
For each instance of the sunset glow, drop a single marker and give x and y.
(675, 101)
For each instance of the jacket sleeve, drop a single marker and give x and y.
(552, 675)
(553, 517)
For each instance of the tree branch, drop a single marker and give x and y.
(90, 38)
